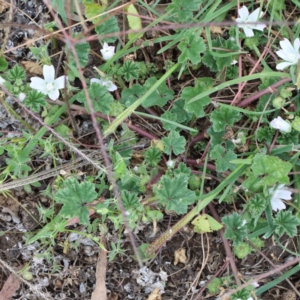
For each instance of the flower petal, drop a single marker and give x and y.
(248, 31)
(283, 54)
(297, 44)
(286, 46)
(284, 194)
(60, 82)
(277, 204)
(283, 65)
(244, 13)
(96, 80)
(48, 72)
(255, 15)
(38, 83)
(53, 95)
(111, 86)
(259, 26)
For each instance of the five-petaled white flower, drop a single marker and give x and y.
(280, 124)
(281, 192)
(245, 19)
(48, 86)
(289, 53)
(107, 83)
(107, 51)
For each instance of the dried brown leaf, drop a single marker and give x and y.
(3, 6)
(32, 67)
(100, 291)
(180, 256)
(155, 295)
(10, 286)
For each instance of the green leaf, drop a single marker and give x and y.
(191, 47)
(224, 116)
(183, 169)
(286, 222)
(216, 137)
(171, 117)
(82, 51)
(93, 9)
(267, 170)
(257, 204)
(223, 158)
(214, 286)
(116, 108)
(16, 73)
(153, 156)
(108, 27)
(243, 294)
(184, 10)
(3, 63)
(59, 6)
(236, 228)
(130, 70)
(188, 93)
(205, 223)
(174, 194)
(50, 230)
(101, 99)
(134, 22)
(174, 142)
(74, 196)
(35, 100)
(242, 250)
(160, 96)
(180, 111)
(130, 95)
(216, 60)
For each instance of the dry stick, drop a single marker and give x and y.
(272, 264)
(211, 279)
(228, 251)
(241, 86)
(69, 40)
(259, 94)
(204, 262)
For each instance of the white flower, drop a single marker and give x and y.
(234, 62)
(107, 83)
(171, 163)
(255, 284)
(289, 53)
(280, 124)
(48, 86)
(2, 80)
(277, 195)
(245, 19)
(22, 96)
(107, 51)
